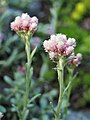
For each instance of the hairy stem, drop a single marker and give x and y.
(60, 80)
(67, 102)
(68, 95)
(28, 80)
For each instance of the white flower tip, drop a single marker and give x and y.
(79, 55)
(52, 37)
(34, 19)
(1, 115)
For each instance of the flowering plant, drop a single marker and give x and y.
(61, 51)
(25, 26)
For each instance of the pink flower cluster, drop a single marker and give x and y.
(75, 59)
(24, 23)
(59, 45)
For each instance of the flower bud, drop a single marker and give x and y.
(12, 25)
(52, 37)
(33, 26)
(34, 19)
(25, 16)
(18, 19)
(61, 37)
(52, 55)
(60, 45)
(75, 61)
(46, 45)
(24, 23)
(69, 50)
(79, 56)
(71, 41)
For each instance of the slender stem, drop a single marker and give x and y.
(28, 80)
(67, 102)
(60, 80)
(68, 96)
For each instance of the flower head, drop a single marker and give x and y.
(59, 45)
(24, 23)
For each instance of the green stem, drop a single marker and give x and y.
(60, 80)
(68, 96)
(67, 102)
(28, 81)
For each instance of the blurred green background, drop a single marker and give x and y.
(70, 17)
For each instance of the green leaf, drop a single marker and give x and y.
(64, 103)
(45, 117)
(53, 93)
(67, 87)
(10, 60)
(33, 52)
(16, 108)
(43, 102)
(31, 72)
(33, 98)
(8, 80)
(30, 105)
(26, 114)
(43, 70)
(51, 105)
(2, 109)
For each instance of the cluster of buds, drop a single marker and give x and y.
(24, 23)
(58, 45)
(75, 59)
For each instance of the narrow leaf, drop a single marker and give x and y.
(51, 105)
(33, 52)
(67, 87)
(33, 98)
(8, 80)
